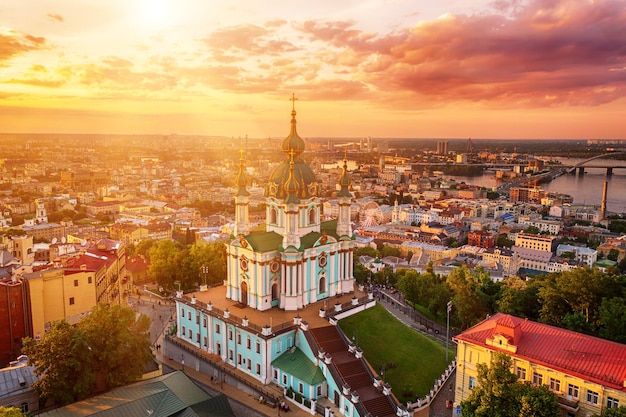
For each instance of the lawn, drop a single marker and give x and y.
(412, 361)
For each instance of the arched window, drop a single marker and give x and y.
(275, 291)
(321, 286)
(312, 216)
(273, 215)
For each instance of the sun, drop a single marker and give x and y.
(154, 13)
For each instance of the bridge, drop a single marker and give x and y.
(580, 166)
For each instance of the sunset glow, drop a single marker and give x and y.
(397, 68)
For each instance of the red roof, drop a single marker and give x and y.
(587, 357)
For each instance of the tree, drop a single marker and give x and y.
(498, 393)
(613, 319)
(471, 303)
(106, 349)
(10, 412)
(504, 242)
(613, 412)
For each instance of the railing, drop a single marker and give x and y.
(439, 383)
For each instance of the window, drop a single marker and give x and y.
(537, 378)
(239, 338)
(319, 390)
(218, 349)
(204, 322)
(555, 385)
(612, 402)
(205, 341)
(520, 372)
(238, 359)
(217, 329)
(284, 379)
(300, 388)
(71, 301)
(279, 346)
(258, 347)
(76, 283)
(230, 334)
(249, 364)
(197, 318)
(572, 391)
(592, 397)
(258, 369)
(89, 280)
(198, 338)
(231, 355)
(189, 315)
(24, 407)
(190, 334)
(276, 374)
(248, 343)
(182, 312)
(184, 331)
(472, 382)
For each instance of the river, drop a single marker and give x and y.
(585, 189)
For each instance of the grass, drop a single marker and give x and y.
(418, 360)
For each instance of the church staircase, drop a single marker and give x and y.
(346, 369)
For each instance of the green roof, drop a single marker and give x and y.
(168, 395)
(295, 362)
(264, 241)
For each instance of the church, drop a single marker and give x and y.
(287, 285)
(298, 259)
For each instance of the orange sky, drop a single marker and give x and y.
(380, 68)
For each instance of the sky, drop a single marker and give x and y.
(509, 69)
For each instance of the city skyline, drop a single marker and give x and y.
(481, 69)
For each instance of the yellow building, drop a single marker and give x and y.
(57, 294)
(586, 373)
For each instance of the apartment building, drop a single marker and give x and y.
(544, 243)
(586, 373)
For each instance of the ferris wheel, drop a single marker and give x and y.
(370, 215)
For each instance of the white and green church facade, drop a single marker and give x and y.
(298, 260)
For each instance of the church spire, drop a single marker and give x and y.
(242, 200)
(293, 142)
(344, 179)
(242, 177)
(291, 185)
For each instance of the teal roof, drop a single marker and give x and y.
(295, 362)
(169, 395)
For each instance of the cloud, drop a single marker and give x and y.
(14, 43)
(545, 52)
(56, 17)
(37, 82)
(248, 39)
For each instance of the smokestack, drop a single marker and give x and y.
(603, 208)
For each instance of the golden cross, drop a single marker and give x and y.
(293, 101)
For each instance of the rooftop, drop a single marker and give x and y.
(586, 357)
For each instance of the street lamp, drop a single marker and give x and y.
(448, 308)
(205, 271)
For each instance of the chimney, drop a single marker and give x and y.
(603, 208)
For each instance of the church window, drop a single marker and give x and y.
(275, 291)
(322, 260)
(217, 329)
(273, 215)
(248, 343)
(230, 334)
(300, 388)
(258, 369)
(276, 374)
(312, 216)
(258, 347)
(321, 288)
(284, 379)
(238, 339)
(274, 267)
(279, 346)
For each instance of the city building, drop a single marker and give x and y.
(57, 294)
(15, 386)
(586, 373)
(544, 243)
(12, 314)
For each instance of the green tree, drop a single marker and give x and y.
(504, 242)
(61, 360)
(614, 412)
(11, 412)
(471, 303)
(106, 349)
(498, 393)
(613, 255)
(164, 258)
(390, 251)
(613, 319)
